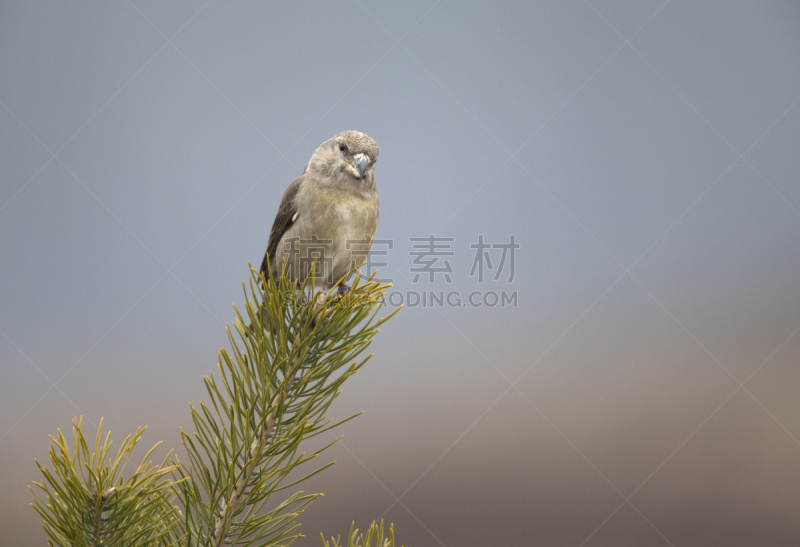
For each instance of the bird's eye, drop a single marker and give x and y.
(343, 147)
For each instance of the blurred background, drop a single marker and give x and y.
(634, 379)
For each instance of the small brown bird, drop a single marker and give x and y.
(328, 215)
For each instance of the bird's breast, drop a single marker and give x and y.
(339, 215)
(342, 222)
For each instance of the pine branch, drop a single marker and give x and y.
(273, 390)
(87, 501)
(354, 539)
(257, 446)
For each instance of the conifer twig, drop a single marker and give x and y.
(260, 442)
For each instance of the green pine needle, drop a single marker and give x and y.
(272, 390)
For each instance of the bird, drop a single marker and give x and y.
(328, 215)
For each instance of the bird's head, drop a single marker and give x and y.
(347, 158)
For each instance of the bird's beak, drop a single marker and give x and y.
(361, 163)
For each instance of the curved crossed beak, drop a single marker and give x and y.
(361, 162)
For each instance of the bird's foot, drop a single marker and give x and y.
(344, 290)
(299, 288)
(320, 314)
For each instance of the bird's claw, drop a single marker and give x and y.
(344, 290)
(303, 298)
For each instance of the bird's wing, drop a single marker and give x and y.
(287, 215)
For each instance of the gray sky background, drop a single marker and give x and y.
(643, 154)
